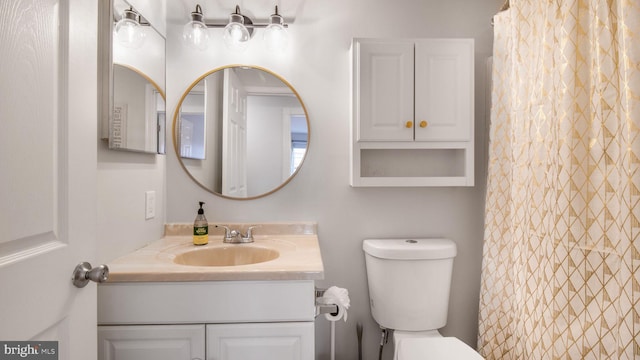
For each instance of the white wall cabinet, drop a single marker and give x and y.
(412, 112)
(224, 320)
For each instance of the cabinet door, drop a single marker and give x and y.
(444, 89)
(151, 342)
(266, 341)
(383, 90)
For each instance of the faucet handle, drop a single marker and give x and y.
(249, 235)
(227, 231)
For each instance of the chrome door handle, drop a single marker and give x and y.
(83, 273)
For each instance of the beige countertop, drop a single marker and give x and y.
(299, 256)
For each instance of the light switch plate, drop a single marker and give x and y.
(149, 204)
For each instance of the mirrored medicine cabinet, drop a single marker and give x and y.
(133, 74)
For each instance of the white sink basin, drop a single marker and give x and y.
(227, 256)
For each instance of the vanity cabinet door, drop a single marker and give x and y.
(264, 341)
(151, 342)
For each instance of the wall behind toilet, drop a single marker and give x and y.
(318, 65)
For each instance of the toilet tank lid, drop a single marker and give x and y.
(410, 249)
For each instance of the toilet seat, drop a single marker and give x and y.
(434, 348)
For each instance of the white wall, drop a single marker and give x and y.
(318, 66)
(123, 179)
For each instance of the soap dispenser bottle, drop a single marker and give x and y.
(200, 228)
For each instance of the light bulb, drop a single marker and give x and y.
(236, 36)
(276, 36)
(128, 31)
(195, 33)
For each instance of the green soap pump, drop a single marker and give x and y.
(200, 228)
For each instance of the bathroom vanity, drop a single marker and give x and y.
(153, 307)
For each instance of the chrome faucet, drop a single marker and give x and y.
(236, 237)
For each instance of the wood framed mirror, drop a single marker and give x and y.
(241, 132)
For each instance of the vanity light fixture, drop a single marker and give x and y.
(195, 32)
(236, 35)
(275, 35)
(237, 32)
(128, 29)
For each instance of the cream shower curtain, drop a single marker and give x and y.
(561, 267)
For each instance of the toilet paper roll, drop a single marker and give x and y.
(342, 313)
(339, 297)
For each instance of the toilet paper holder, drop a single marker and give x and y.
(324, 308)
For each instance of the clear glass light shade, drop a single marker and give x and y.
(236, 36)
(276, 38)
(196, 35)
(129, 33)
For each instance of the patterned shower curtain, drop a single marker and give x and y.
(561, 266)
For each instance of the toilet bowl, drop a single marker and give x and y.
(444, 348)
(431, 345)
(409, 284)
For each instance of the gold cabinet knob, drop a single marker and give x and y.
(409, 124)
(423, 124)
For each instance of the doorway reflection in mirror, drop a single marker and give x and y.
(241, 132)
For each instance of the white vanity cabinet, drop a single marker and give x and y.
(413, 112)
(214, 320)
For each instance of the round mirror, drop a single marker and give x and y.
(241, 132)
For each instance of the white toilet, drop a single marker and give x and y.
(409, 282)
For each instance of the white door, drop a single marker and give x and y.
(234, 136)
(384, 89)
(48, 145)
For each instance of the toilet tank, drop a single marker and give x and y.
(409, 282)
